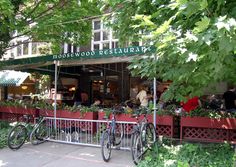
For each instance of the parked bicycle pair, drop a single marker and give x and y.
(26, 131)
(142, 137)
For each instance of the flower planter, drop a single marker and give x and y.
(208, 129)
(78, 115)
(165, 125)
(17, 110)
(12, 114)
(47, 113)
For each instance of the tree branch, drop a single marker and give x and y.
(60, 4)
(33, 10)
(20, 35)
(17, 44)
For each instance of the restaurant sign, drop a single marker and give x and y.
(106, 53)
(116, 52)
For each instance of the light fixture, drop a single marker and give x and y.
(24, 87)
(72, 89)
(101, 74)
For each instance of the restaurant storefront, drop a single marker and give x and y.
(100, 74)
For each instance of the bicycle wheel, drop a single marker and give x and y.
(17, 137)
(106, 146)
(136, 147)
(41, 132)
(119, 133)
(150, 135)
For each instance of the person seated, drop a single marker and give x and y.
(230, 99)
(191, 104)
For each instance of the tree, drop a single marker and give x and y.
(47, 21)
(195, 41)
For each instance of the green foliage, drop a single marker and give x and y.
(195, 41)
(201, 112)
(47, 21)
(107, 111)
(16, 103)
(190, 155)
(4, 129)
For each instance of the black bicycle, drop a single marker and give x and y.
(112, 136)
(143, 136)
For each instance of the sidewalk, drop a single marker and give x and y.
(52, 154)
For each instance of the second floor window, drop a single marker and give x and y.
(103, 38)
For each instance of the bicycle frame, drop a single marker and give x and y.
(111, 126)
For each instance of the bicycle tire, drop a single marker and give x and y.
(17, 136)
(150, 135)
(119, 134)
(41, 133)
(136, 147)
(106, 146)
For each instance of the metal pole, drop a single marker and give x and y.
(154, 101)
(55, 95)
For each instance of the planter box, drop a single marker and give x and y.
(48, 113)
(78, 115)
(208, 129)
(17, 110)
(12, 114)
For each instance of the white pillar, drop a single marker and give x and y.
(55, 97)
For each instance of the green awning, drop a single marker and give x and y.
(86, 57)
(12, 78)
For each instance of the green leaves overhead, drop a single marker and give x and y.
(195, 41)
(202, 25)
(48, 21)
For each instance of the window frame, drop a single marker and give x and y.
(102, 29)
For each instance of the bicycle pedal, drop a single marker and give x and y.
(117, 147)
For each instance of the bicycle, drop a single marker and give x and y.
(24, 130)
(112, 136)
(143, 136)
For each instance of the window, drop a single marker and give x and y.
(103, 37)
(69, 48)
(25, 48)
(34, 48)
(97, 25)
(19, 49)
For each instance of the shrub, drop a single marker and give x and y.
(190, 155)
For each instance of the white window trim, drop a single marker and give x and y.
(101, 30)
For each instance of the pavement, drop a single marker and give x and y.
(51, 154)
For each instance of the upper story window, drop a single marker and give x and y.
(29, 48)
(69, 48)
(103, 37)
